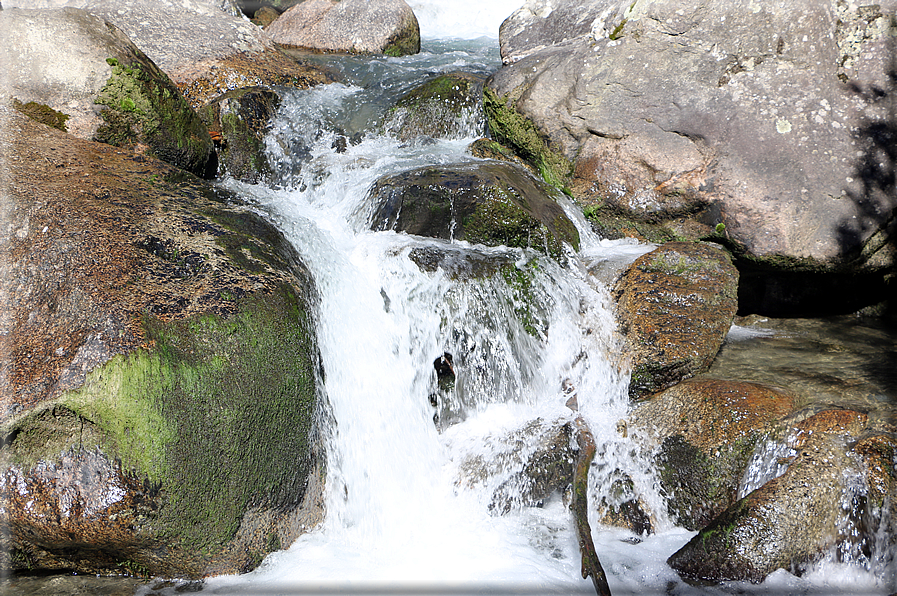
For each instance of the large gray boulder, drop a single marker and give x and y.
(94, 83)
(354, 26)
(771, 121)
(200, 44)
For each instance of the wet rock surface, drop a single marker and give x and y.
(675, 306)
(492, 204)
(448, 106)
(238, 121)
(158, 385)
(705, 431)
(353, 26)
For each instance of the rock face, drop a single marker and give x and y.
(354, 26)
(706, 430)
(485, 203)
(200, 45)
(675, 306)
(88, 70)
(158, 385)
(238, 121)
(768, 121)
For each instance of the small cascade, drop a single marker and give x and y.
(455, 374)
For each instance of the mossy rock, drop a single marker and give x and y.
(706, 431)
(493, 204)
(162, 406)
(511, 128)
(675, 306)
(145, 107)
(238, 121)
(447, 106)
(42, 113)
(787, 523)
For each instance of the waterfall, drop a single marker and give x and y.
(411, 487)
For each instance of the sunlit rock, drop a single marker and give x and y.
(353, 26)
(102, 86)
(675, 306)
(705, 431)
(201, 45)
(770, 121)
(159, 380)
(787, 523)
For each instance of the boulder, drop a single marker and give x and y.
(822, 482)
(238, 121)
(771, 122)
(489, 203)
(265, 15)
(159, 361)
(354, 26)
(447, 106)
(205, 50)
(87, 76)
(675, 306)
(785, 524)
(704, 432)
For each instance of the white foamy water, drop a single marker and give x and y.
(462, 20)
(408, 498)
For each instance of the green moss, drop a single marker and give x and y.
(520, 281)
(217, 412)
(43, 114)
(144, 106)
(510, 127)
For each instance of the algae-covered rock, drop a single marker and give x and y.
(158, 402)
(788, 522)
(447, 106)
(706, 431)
(675, 306)
(485, 203)
(238, 121)
(354, 26)
(108, 90)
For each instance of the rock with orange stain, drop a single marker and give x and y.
(675, 306)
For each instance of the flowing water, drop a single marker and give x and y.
(409, 486)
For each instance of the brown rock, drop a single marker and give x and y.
(134, 295)
(707, 430)
(675, 306)
(785, 524)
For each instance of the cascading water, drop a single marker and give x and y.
(410, 486)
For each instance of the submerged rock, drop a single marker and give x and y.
(675, 306)
(448, 106)
(238, 121)
(493, 204)
(353, 26)
(159, 393)
(102, 85)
